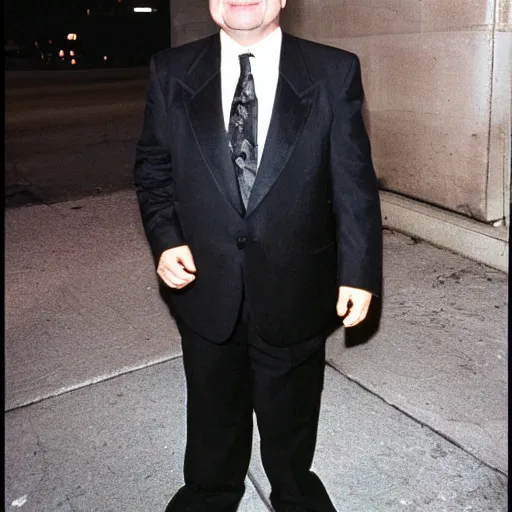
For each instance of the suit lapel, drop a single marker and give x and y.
(203, 100)
(292, 105)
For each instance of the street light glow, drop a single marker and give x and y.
(142, 9)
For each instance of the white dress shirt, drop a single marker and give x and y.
(265, 70)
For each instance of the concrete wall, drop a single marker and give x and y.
(438, 86)
(437, 80)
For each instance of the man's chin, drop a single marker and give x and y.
(244, 16)
(243, 27)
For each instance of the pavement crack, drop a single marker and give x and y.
(90, 382)
(259, 490)
(416, 420)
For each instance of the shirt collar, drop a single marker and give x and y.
(267, 50)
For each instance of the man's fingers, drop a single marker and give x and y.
(343, 298)
(176, 267)
(357, 314)
(178, 270)
(180, 284)
(173, 280)
(354, 303)
(186, 259)
(165, 279)
(165, 276)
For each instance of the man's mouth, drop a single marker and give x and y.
(243, 4)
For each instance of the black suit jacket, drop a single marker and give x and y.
(313, 220)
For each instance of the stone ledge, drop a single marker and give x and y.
(472, 239)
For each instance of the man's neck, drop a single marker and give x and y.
(251, 37)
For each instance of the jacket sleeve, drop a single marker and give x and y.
(153, 172)
(355, 190)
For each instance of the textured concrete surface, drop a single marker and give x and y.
(373, 458)
(110, 447)
(413, 419)
(485, 243)
(421, 61)
(82, 302)
(442, 345)
(119, 445)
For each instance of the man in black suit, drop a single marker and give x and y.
(260, 204)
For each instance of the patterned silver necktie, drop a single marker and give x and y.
(243, 130)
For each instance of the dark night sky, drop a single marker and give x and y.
(25, 16)
(28, 8)
(112, 28)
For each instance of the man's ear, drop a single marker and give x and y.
(283, 4)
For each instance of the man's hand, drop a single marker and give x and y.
(176, 267)
(354, 301)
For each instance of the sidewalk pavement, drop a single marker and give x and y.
(415, 419)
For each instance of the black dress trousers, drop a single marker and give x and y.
(225, 384)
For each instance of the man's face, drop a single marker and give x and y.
(247, 19)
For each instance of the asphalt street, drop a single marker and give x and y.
(71, 134)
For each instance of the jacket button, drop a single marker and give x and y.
(241, 242)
